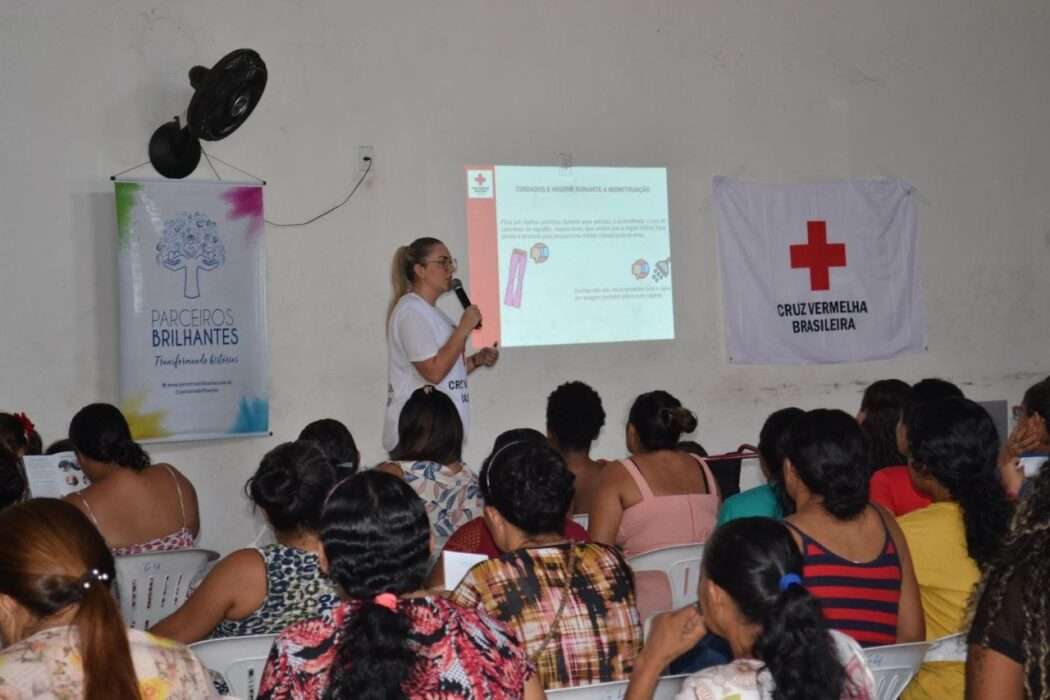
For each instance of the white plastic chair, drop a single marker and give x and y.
(582, 519)
(152, 586)
(894, 666)
(681, 564)
(239, 660)
(666, 689)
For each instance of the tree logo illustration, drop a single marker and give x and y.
(191, 244)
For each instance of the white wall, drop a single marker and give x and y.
(950, 95)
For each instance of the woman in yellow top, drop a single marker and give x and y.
(953, 461)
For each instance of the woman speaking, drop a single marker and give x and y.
(425, 346)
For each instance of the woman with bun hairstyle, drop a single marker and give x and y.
(855, 558)
(263, 590)
(389, 640)
(657, 497)
(137, 506)
(61, 624)
(424, 345)
(751, 593)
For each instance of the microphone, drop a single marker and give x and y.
(461, 293)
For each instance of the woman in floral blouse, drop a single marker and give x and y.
(62, 625)
(388, 639)
(427, 457)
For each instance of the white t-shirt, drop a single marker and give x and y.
(415, 333)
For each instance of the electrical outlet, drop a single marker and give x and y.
(366, 155)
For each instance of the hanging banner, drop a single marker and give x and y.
(819, 273)
(194, 343)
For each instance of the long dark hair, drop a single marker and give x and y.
(429, 428)
(771, 441)
(660, 419)
(101, 432)
(748, 558)
(290, 486)
(881, 405)
(1024, 552)
(827, 450)
(955, 442)
(376, 537)
(13, 484)
(52, 557)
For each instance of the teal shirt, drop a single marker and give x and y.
(760, 501)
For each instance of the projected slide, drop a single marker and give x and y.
(569, 255)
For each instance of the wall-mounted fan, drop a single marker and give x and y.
(223, 98)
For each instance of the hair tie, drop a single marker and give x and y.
(27, 425)
(495, 455)
(386, 600)
(91, 576)
(787, 581)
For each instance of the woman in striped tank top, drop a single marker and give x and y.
(856, 560)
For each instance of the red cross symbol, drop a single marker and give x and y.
(480, 179)
(818, 255)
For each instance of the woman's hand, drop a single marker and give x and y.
(486, 357)
(674, 633)
(470, 319)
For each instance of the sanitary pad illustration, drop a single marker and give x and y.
(515, 278)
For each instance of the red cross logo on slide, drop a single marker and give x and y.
(480, 179)
(818, 255)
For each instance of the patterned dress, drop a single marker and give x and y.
(598, 636)
(452, 500)
(462, 655)
(748, 679)
(48, 665)
(296, 590)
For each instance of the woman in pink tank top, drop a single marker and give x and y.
(138, 507)
(659, 496)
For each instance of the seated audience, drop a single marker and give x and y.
(574, 418)
(263, 590)
(571, 605)
(1029, 435)
(336, 442)
(891, 487)
(475, 538)
(62, 625)
(137, 507)
(751, 594)
(880, 411)
(427, 457)
(59, 446)
(15, 434)
(388, 639)
(14, 487)
(659, 496)
(856, 560)
(953, 446)
(1008, 656)
(768, 499)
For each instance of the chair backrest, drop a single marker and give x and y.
(681, 563)
(582, 519)
(666, 689)
(894, 666)
(152, 586)
(239, 660)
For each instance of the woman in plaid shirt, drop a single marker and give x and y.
(571, 605)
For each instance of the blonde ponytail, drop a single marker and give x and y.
(402, 276)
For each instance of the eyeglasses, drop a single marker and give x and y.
(447, 263)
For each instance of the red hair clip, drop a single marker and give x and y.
(27, 425)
